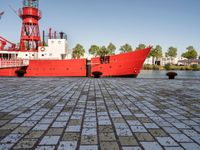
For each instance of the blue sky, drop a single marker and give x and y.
(164, 22)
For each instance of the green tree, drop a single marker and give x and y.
(78, 51)
(191, 53)
(111, 48)
(141, 46)
(94, 50)
(172, 52)
(156, 53)
(103, 51)
(126, 48)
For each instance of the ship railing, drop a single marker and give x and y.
(10, 63)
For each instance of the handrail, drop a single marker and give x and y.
(9, 63)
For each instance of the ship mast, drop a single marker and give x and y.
(30, 33)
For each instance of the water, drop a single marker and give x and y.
(162, 74)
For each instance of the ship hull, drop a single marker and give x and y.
(121, 65)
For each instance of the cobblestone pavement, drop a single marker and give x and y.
(107, 114)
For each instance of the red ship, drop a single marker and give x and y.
(34, 59)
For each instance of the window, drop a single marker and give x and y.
(105, 59)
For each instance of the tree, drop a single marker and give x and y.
(191, 53)
(103, 51)
(111, 49)
(172, 52)
(78, 51)
(156, 53)
(141, 46)
(126, 48)
(94, 50)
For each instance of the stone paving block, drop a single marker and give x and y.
(189, 122)
(89, 131)
(73, 122)
(54, 131)
(118, 120)
(197, 128)
(29, 123)
(67, 145)
(4, 133)
(131, 148)
(107, 136)
(171, 130)
(59, 124)
(109, 146)
(8, 117)
(9, 126)
(151, 146)
(144, 120)
(25, 144)
(75, 128)
(34, 134)
(123, 132)
(150, 125)
(190, 146)
(45, 148)
(129, 117)
(41, 127)
(3, 122)
(11, 138)
(89, 124)
(166, 141)
(106, 128)
(88, 147)
(139, 115)
(70, 136)
(92, 119)
(46, 120)
(35, 118)
(21, 130)
(128, 141)
(181, 138)
(144, 137)
(173, 148)
(49, 140)
(181, 125)
(77, 117)
(138, 129)
(18, 120)
(157, 132)
(5, 146)
(104, 122)
(134, 123)
(103, 118)
(88, 140)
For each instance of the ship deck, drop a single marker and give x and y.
(107, 113)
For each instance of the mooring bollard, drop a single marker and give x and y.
(171, 75)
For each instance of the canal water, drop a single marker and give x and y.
(162, 74)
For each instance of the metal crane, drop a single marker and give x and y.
(4, 42)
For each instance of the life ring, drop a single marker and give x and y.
(42, 49)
